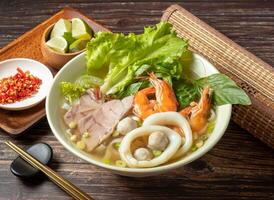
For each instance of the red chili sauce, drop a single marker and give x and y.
(20, 86)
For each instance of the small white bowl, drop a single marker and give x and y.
(8, 68)
(77, 66)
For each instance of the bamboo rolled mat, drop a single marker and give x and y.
(251, 73)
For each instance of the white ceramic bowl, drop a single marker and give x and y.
(76, 67)
(8, 68)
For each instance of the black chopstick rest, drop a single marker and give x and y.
(41, 151)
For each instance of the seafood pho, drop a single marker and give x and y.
(137, 106)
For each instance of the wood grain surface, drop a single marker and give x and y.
(238, 167)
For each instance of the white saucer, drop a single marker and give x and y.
(8, 68)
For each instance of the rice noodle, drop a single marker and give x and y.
(175, 119)
(111, 152)
(125, 147)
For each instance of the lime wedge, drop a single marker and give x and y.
(79, 44)
(68, 37)
(60, 27)
(79, 28)
(58, 44)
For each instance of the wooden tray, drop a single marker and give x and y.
(251, 73)
(28, 46)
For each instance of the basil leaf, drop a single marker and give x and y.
(225, 90)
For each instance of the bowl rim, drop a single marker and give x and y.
(44, 40)
(145, 171)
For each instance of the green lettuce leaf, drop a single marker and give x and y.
(71, 91)
(120, 59)
(88, 81)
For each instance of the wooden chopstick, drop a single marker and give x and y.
(67, 186)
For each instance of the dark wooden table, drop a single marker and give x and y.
(239, 167)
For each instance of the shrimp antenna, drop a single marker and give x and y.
(142, 78)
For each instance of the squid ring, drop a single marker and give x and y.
(175, 119)
(171, 149)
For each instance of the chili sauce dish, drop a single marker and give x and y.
(23, 83)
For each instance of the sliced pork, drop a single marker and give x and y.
(91, 100)
(91, 115)
(101, 122)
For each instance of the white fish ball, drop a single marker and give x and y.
(157, 141)
(142, 154)
(126, 125)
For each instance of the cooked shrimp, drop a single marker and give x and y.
(186, 111)
(143, 107)
(199, 113)
(165, 98)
